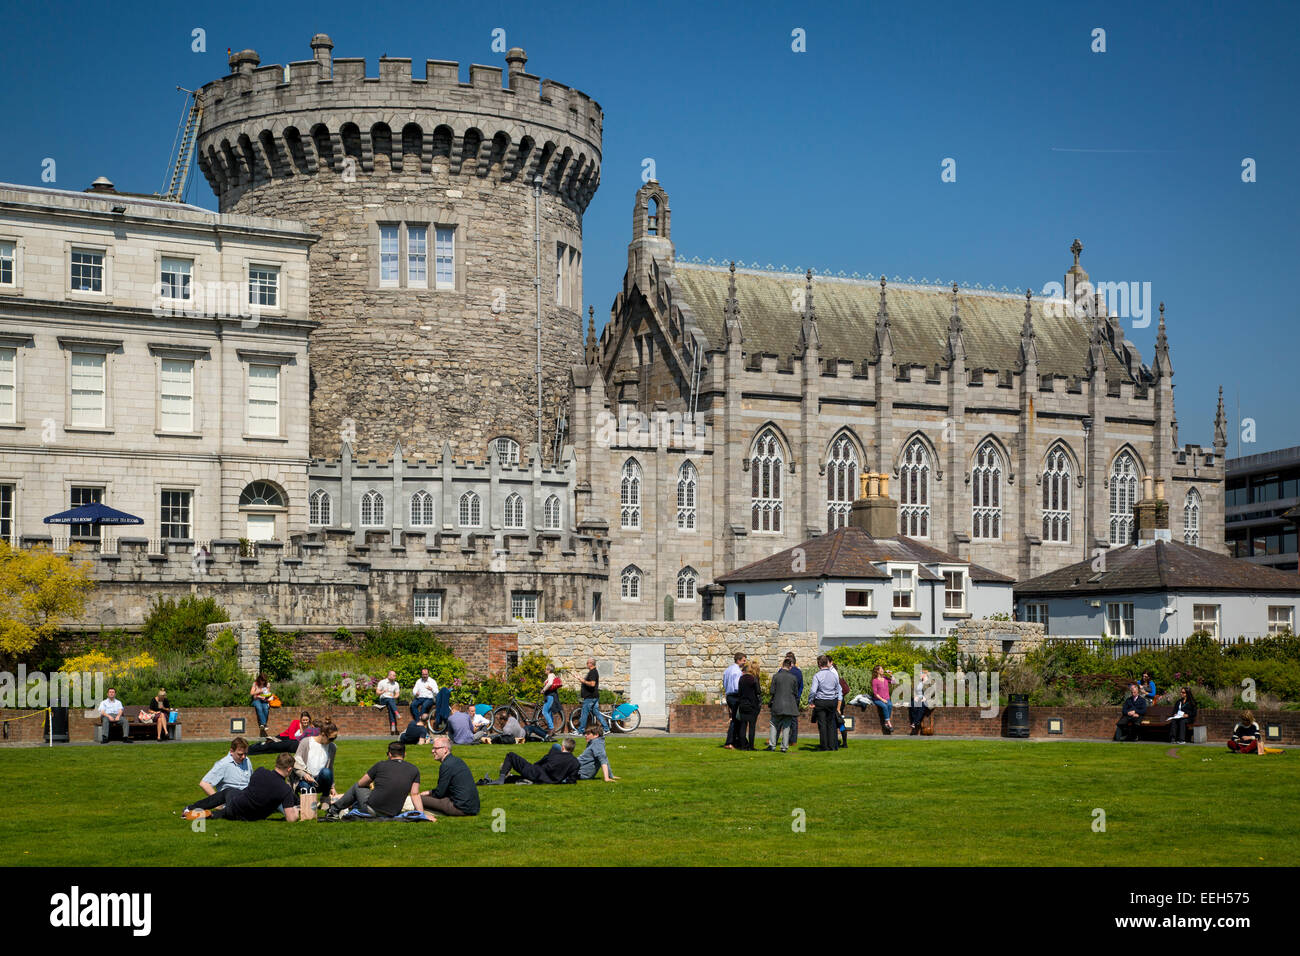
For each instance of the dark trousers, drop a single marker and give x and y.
(421, 705)
(522, 767)
(732, 701)
(746, 726)
(1178, 730)
(917, 714)
(354, 795)
(827, 722)
(274, 745)
(441, 805)
(218, 799)
(1127, 728)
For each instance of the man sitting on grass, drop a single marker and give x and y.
(267, 792)
(461, 726)
(593, 756)
(558, 766)
(455, 795)
(416, 731)
(394, 780)
(229, 774)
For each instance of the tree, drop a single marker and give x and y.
(38, 591)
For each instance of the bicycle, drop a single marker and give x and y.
(527, 713)
(621, 718)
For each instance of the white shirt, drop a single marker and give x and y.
(425, 688)
(317, 756)
(480, 721)
(388, 688)
(110, 708)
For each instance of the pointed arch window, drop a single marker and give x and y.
(629, 496)
(765, 484)
(421, 509)
(514, 517)
(914, 491)
(318, 508)
(507, 450)
(687, 492)
(551, 513)
(986, 493)
(471, 510)
(630, 583)
(1056, 496)
(372, 510)
(1192, 518)
(1123, 495)
(841, 482)
(687, 584)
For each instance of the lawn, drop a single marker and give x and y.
(684, 801)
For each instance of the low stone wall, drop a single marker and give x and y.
(1089, 723)
(211, 723)
(695, 653)
(982, 638)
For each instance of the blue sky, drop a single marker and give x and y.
(829, 158)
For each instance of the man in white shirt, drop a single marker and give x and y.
(388, 689)
(110, 712)
(731, 689)
(423, 695)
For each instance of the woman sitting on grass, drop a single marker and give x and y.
(1245, 736)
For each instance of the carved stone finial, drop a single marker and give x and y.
(1076, 247)
(1029, 294)
(733, 267)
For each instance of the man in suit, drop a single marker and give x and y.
(558, 766)
(785, 706)
(798, 695)
(1131, 711)
(731, 688)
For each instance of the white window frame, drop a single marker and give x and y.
(688, 585)
(1276, 624)
(102, 267)
(187, 426)
(1036, 613)
(896, 576)
(470, 510)
(688, 486)
(372, 509)
(629, 496)
(416, 263)
(964, 579)
(766, 500)
(445, 234)
(261, 401)
(553, 512)
(1056, 496)
(422, 512)
(507, 450)
(319, 508)
(514, 512)
(630, 583)
(1125, 478)
(1124, 616)
(426, 607)
(265, 286)
(390, 258)
(525, 606)
(188, 507)
(9, 262)
(986, 493)
(183, 271)
(8, 384)
(870, 604)
(101, 390)
(914, 469)
(1200, 621)
(1192, 518)
(9, 511)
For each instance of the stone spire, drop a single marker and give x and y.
(1097, 349)
(591, 335)
(1220, 427)
(884, 341)
(1163, 367)
(956, 347)
(809, 338)
(1028, 347)
(731, 312)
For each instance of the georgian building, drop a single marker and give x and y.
(153, 357)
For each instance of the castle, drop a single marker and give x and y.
(458, 426)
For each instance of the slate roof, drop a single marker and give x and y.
(849, 553)
(918, 315)
(1161, 566)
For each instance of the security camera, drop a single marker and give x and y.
(788, 589)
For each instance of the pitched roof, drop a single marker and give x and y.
(851, 553)
(918, 315)
(1161, 566)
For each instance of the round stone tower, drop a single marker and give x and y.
(425, 192)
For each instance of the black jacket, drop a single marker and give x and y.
(748, 704)
(1189, 707)
(559, 767)
(1138, 703)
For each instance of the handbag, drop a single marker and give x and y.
(927, 725)
(273, 701)
(307, 804)
(145, 716)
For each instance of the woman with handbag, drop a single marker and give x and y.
(261, 696)
(158, 713)
(747, 707)
(550, 699)
(313, 763)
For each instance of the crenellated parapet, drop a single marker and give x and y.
(263, 123)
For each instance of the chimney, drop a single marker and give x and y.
(1151, 514)
(875, 512)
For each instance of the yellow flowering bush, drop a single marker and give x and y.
(94, 661)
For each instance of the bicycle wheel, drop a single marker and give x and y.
(628, 724)
(575, 717)
(504, 713)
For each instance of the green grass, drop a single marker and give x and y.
(688, 802)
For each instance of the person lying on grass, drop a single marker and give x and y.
(267, 792)
(558, 766)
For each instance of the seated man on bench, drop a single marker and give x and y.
(111, 719)
(1131, 711)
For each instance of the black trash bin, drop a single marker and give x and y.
(1017, 715)
(58, 716)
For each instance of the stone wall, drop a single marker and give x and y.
(695, 652)
(982, 638)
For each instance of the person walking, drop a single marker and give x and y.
(731, 690)
(825, 696)
(550, 699)
(748, 704)
(590, 695)
(785, 706)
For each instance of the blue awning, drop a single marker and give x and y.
(95, 513)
